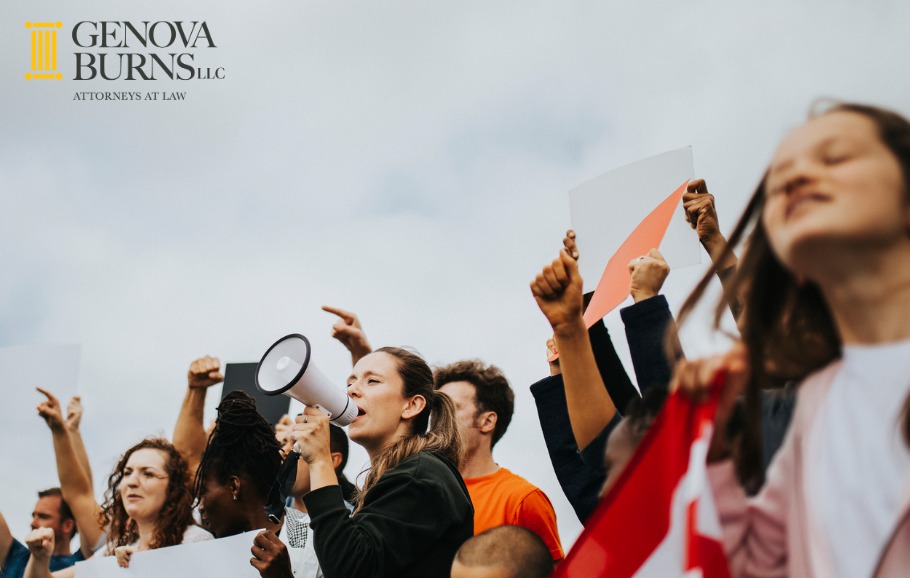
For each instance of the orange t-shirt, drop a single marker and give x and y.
(504, 498)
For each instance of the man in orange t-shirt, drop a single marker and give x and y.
(484, 403)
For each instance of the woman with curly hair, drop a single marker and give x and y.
(149, 501)
(148, 505)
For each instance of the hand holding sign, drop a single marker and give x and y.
(569, 243)
(648, 274)
(270, 556)
(700, 213)
(123, 554)
(74, 412)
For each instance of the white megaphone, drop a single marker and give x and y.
(287, 368)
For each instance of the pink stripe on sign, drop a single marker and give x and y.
(613, 287)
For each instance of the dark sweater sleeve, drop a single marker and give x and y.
(397, 525)
(646, 325)
(593, 454)
(579, 483)
(614, 375)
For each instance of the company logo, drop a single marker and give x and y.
(44, 51)
(112, 51)
(144, 50)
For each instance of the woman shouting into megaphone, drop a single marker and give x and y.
(413, 512)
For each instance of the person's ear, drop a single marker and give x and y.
(234, 486)
(487, 422)
(336, 460)
(68, 527)
(414, 406)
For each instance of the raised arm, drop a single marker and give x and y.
(189, 433)
(557, 290)
(74, 482)
(40, 544)
(701, 215)
(647, 322)
(349, 332)
(580, 475)
(648, 274)
(73, 419)
(612, 372)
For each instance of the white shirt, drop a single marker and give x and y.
(193, 533)
(860, 461)
(196, 534)
(297, 536)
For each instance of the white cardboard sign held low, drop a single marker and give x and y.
(225, 557)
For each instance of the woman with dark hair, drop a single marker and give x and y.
(413, 511)
(825, 283)
(237, 489)
(148, 505)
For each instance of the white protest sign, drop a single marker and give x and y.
(226, 558)
(605, 210)
(99, 565)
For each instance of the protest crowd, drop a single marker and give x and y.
(807, 465)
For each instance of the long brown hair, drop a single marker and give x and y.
(176, 514)
(432, 430)
(785, 323)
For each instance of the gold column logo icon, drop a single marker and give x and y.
(44, 51)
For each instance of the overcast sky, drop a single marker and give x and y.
(409, 161)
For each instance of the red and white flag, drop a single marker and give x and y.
(659, 519)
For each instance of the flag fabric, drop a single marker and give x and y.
(659, 519)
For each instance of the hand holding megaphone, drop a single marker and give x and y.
(287, 368)
(310, 433)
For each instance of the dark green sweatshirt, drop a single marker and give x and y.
(412, 522)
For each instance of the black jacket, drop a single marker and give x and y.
(412, 522)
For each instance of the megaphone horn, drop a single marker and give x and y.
(287, 368)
